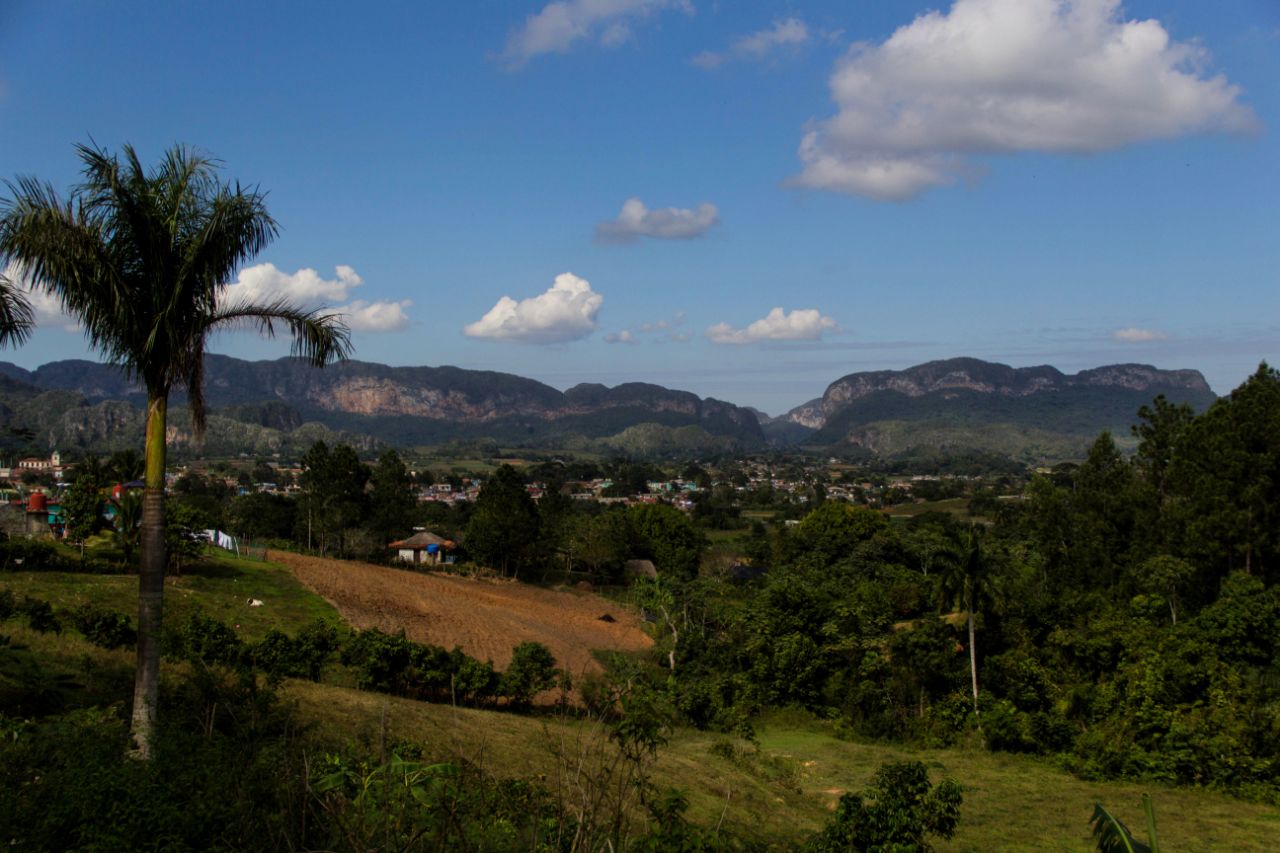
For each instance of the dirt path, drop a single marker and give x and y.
(486, 618)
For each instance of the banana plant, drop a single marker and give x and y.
(1114, 837)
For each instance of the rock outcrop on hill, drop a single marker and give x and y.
(406, 405)
(956, 405)
(972, 404)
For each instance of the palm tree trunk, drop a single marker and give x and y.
(146, 685)
(973, 657)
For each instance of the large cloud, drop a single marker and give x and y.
(307, 288)
(757, 46)
(997, 76)
(668, 223)
(802, 324)
(264, 283)
(560, 24)
(565, 312)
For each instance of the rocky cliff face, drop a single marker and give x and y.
(408, 404)
(982, 377)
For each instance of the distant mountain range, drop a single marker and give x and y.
(965, 403)
(80, 404)
(282, 406)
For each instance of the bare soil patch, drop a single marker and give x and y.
(487, 618)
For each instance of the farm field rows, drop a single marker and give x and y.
(486, 618)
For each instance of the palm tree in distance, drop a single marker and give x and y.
(963, 582)
(141, 258)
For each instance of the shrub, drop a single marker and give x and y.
(40, 615)
(30, 555)
(202, 639)
(8, 604)
(381, 660)
(104, 628)
(897, 812)
(304, 656)
(532, 670)
(474, 682)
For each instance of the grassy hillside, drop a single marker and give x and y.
(784, 788)
(220, 588)
(777, 790)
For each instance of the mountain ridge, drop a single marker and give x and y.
(938, 406)
(410, 405)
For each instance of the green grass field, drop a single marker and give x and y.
(958, 507)
(777, 791)
(221, 587)
(783, 789)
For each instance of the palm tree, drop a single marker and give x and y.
(16, 317)
(142, 259)
(963, 583)
(127, 525)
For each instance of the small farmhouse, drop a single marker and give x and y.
(423, 548)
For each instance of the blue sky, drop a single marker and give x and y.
(746, 200)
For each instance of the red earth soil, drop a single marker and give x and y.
(487, 618)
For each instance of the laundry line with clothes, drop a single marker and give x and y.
(222, 540)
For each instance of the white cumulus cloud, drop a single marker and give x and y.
(667, 223)
(1134, 335)
(559, 25)
(381, 316)
(565, 312)
(760, 45)
(264, 283)
(1000, 76)
(802, 324)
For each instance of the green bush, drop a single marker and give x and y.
(202, 639)
(40, 615)
(30, 555)
(303, 656)
(898, 812)
(532, 670)
(104, 628)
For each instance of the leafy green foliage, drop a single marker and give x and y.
(39, 615)
(391, 500)
(104, 628)
(302, 656)
(531, 671)
(897, 812)
(664, 535)
(392, 663)
(334, 502)
(202, 639)
(504, 527)
(1114, 837)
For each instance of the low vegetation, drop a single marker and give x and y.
(1090, 634)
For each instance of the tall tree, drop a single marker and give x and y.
(391, 499)
(504, 526)
(964, 582)
(142, 259)
(333, 488)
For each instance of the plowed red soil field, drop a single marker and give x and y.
(487, 618)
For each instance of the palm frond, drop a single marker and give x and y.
(318, 337)
(17, 320)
